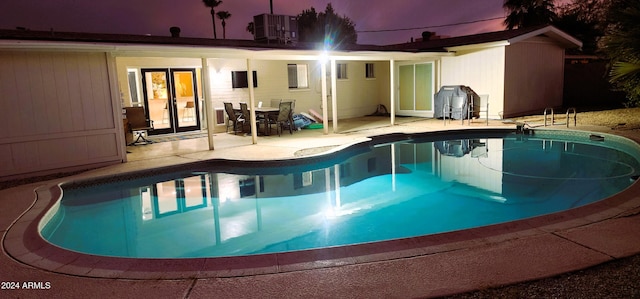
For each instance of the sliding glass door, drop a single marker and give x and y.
(415, 89)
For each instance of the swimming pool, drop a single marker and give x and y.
(395, 187)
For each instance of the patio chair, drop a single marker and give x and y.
(293, 108)
(139, 124)
(246, 115)
(483, 108)
(456, 107)
(479, 148)
(283, 118)
(275, 103)
(165, 113)
(233, 120)
(189, 111)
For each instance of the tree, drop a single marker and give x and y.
(213, 4)
(584, 20)
(621, 44)
(527, 13)
(308, 30)
(223, 16)
(326, 27)
(251, 28)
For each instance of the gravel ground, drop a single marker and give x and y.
(616, 119)
(616, 279)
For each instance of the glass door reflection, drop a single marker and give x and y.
(185, 99)
(177, 196)
(171, 98)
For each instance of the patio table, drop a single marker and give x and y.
(264, 112)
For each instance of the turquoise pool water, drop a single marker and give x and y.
(395, 187)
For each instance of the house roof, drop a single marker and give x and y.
(507, 36)
(29, 35)
(436, 45)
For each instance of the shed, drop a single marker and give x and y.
(521, 69)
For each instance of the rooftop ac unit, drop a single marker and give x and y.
(279, 28)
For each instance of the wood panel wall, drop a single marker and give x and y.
(534, 77)
(56, 112)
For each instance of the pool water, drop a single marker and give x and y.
(408, 187)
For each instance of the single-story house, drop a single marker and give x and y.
(63, 93)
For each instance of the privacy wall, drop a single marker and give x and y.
(56, 112)
(534, 77)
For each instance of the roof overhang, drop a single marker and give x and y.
(554, 33)
(476, 47)
(194, 51)
(159, 46)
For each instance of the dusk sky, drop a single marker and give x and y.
(155, 17)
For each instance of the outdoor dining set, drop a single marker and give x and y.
(278, 114)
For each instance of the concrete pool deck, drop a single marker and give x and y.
(429, 266)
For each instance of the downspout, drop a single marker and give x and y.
(252, 103)
(208, 102)
(334, 96)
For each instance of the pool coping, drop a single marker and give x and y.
(23, 242)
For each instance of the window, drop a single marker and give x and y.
(369, 71)
(341, 71)
(298, 77)
(132, 75)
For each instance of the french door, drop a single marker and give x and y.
(171, 98)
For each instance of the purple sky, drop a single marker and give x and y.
(156, 16)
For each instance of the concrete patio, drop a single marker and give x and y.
(429, 266)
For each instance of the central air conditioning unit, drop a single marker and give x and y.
(279, 28)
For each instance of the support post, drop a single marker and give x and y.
(252, 103)
(334, 95)
(392, 91)
(323, 79)
(209, 110)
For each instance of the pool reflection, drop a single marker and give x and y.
(209, 213)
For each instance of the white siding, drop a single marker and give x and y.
(272, 84)
(357, 95)
(56, 111)
(471, 170)
(482, 70)
(536, 77)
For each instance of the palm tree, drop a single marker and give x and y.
(526, 13)
(223, 15)
(213, 4)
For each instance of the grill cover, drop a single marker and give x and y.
(443, 96)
